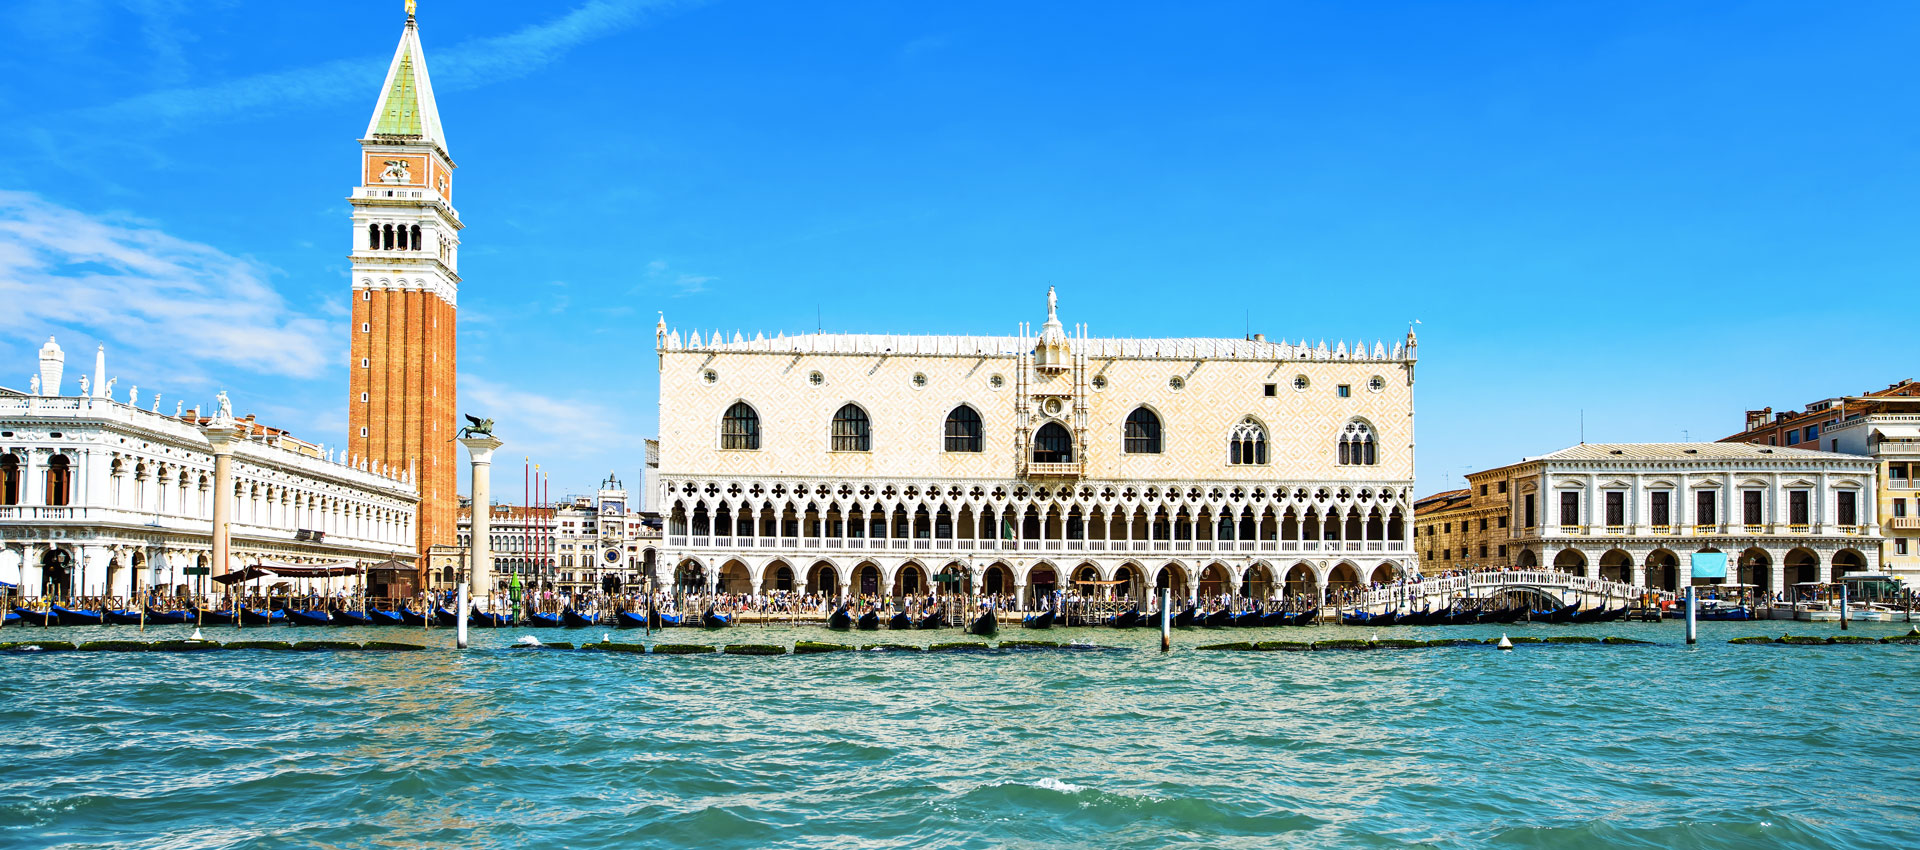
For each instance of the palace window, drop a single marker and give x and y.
(1569, 508)
(1143, 432)
(1616, 508)
(963, 430)
(1357, 446)
(1527, 504)
(1846, 508)
(1797, 507)
(1052, 444)
(9, 479)
(1659, 503)
(1750, 507)
(851, 432)
(1247, 445)
(59, 482)
(1703, 507)
(740, 427)
(1344, 390)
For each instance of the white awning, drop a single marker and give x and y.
(1897, 432)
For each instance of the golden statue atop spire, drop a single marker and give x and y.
(409, 10)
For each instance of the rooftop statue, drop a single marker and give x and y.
(479, 428)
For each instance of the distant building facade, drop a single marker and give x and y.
(101, 498)
(575, 544)
(1465, 529)
(1641, 512)
(873, 464)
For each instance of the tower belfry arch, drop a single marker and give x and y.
(405, 260)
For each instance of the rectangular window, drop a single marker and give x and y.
(1900, 507)
(1703, 505)
(1503, 550)
(365, 363)
(1447, 528)
(1813, 432)
(1750, 507)
(1346, 390)
(1660, 502)
(363, 398)
(1900, 546)
(1569, 508)
(1897, 471)
(1483, 550)
(1268, 390)
(1446, 554)
(1503, 486)
(1797, 507)
(363, 432)
(1483, 489)
(1793, 438)
(1846, 508)
(1483, 523)
(1529, 512)
(1616, 508)
(366, 328)
(1503, 521)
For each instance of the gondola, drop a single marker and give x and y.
(630, 620)
(900, 622)
(662, 619)
(1219, 619)
(1418, 618)
(986, 625)
(1564, 615)
(1591, 615)
(381, 617)
(712, 619)
(869, 622)
(1125, 619)
(937, 619)
(309, 618)
(211, 617)
(840, 620)
(350, 617)
(1304, 618)
(122, 618)
(488, 619)
(257, 617)
(1502, 615)
(444, 617)
(37, 618)
(158, 617)
(9, 618)
(576, 620)
(1360, 618)
(1460, 617)
(1184, 619)
(1250, 619)
(71, 617)
(412, 618)
(1620, 613)
(543, 620)
(1042, 620)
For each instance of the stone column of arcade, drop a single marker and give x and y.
(221, 435)
(481, 576)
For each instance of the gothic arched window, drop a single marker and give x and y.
(963, 430)
(1052, 444)
(740, 427)
(1247, 446)
(1357, 445)
(1143, 433)
(851, 432)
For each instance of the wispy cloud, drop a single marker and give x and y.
(542, 425)
(659, 275)
(175, 304)
(465, 66)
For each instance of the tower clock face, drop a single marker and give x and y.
(612, 556)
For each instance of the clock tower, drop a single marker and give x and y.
(406, 260)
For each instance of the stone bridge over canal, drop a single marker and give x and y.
(1540, 586)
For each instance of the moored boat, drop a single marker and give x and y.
(1563, 614)
(309, 618)
(935, 619)
(543, 620)
(1250, 619)
(900, 621)
(383, 617)
(869, 622)
(1219, 619)
(37, 618)
(1125, 619)
(576, 620)
(840, 620)
(410, 617)
(1304, 618)
(213, 617)
(488, 619)
(1185, 619)
(712, 619)
(122, 617)
(162, 617)
(1042, 620)
(350, 617)
(260, 617)
(75, 617)
(630, 620)
(445, 617)
(985, 625)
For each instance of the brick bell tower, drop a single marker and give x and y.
(406, 260)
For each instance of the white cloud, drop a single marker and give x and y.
(543, 426)
(468, 65)
(174, 304)
(658, 274)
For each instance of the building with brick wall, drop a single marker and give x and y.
(1464, 529)
(405, 262)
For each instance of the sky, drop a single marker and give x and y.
(1628, 220)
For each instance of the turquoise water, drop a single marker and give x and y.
(1546, 746)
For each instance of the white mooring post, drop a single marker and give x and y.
(1693, 623)
(1843, 607)
(460, 619)
(1166, 619)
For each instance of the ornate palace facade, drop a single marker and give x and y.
(873, 464)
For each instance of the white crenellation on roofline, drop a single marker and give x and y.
(1010, 346)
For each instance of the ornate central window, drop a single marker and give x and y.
(1143, 433)
(851, 431)
(963, 430)
(1052, 444)
(740, 427)
(1247, 446)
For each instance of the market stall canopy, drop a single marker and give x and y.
(272, 570)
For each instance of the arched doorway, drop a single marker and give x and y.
(690, 577)
(734, 578)
(866, 579)
(1848, 561)
(997, 580)
(1663, 570)
(1343, 576)
(1803, 566)
(1384, 574)
(56, 574)
(1132, 582)
(1172, 577)
(1616, 565)
(1527, 560)
(1042, 581)
(1052, 444)
(1257, 582)
(1301, 581)
(911, 580)
(1086, 581)
(823, 579)
(1213, 580)
(1570, 561)
(778, 577)
(953, 579)
(1756, 569)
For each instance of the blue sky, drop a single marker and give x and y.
(1658, 213)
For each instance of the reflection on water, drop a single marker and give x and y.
(1661, 745)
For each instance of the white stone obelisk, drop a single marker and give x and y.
(481, 448)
